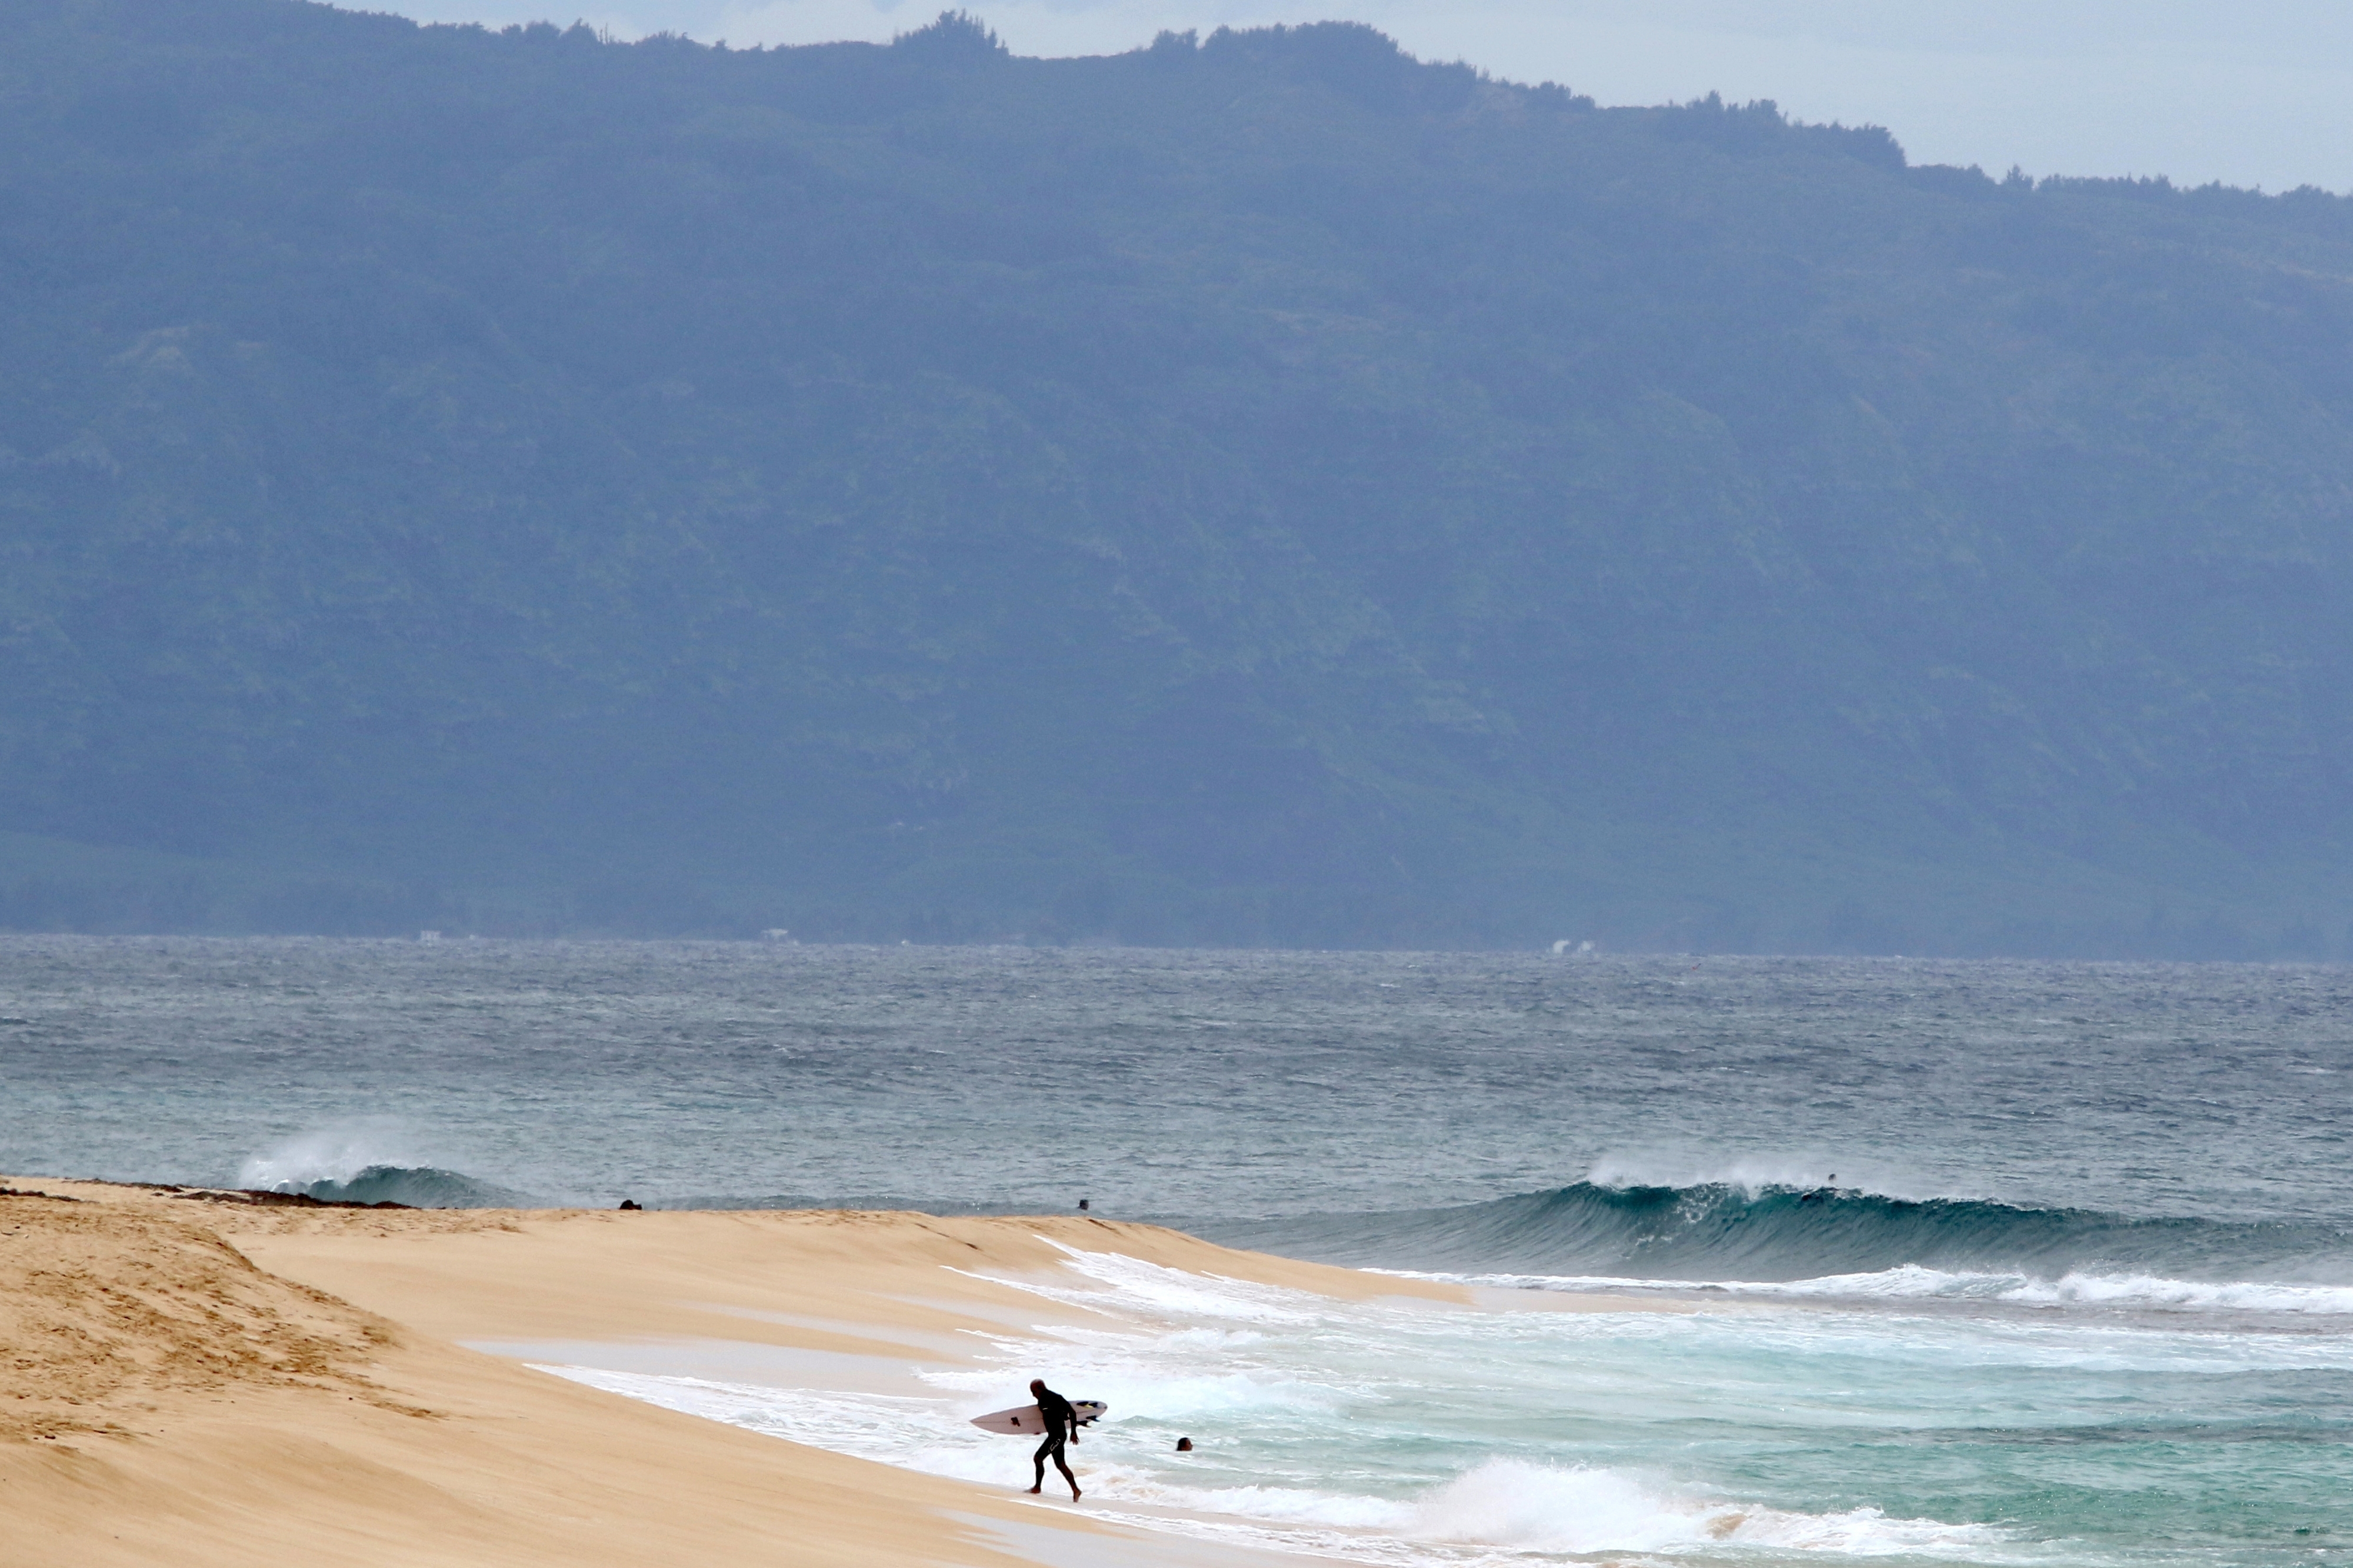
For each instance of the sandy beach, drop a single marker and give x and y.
(198, 1381)
(2004, 1333)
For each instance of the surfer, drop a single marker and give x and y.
(1062, 1426)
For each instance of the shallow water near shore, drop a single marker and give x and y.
(1999, 1262)
(1402, 1432)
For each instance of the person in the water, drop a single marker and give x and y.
(1062, 1426)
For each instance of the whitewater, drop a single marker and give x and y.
(1998, 1263)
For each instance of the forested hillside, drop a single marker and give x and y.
(1257, 488)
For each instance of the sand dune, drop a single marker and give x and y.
(203, 1382)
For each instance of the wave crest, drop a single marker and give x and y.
(369, 1163)
(416, 1187)
(1837, 1240)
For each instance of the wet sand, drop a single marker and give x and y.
(194, 1382)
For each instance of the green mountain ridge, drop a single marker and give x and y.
(1253, 489)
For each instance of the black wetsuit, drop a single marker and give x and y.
(1059, 1418)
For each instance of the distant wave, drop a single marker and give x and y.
(1791, 1240)
(418, 1186)
(370, 1162)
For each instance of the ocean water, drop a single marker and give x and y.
(1998, 1263)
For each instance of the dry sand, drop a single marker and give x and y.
(192, 1382)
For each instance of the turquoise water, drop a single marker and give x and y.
(1997, 1262)
(1405, 1432)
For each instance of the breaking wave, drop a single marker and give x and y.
(1777, 1239)
(366, 1164)
(417, 1186)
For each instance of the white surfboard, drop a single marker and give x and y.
(1028, 1420)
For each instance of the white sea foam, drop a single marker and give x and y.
(1318, 1410)
(1541, 1508)
(335, 1153)
(2184, 1295)
(1174, 1385)
(1505, 1503)
(1138, 1285)
(1158, 1288)
(1911, 1281)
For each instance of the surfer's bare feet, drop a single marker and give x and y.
(1036, 1490)
(1074, 1494)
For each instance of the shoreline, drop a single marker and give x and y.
(194, 1374)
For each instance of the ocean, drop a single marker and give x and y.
(1995, 1262)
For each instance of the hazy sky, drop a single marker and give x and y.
(2260, 92)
